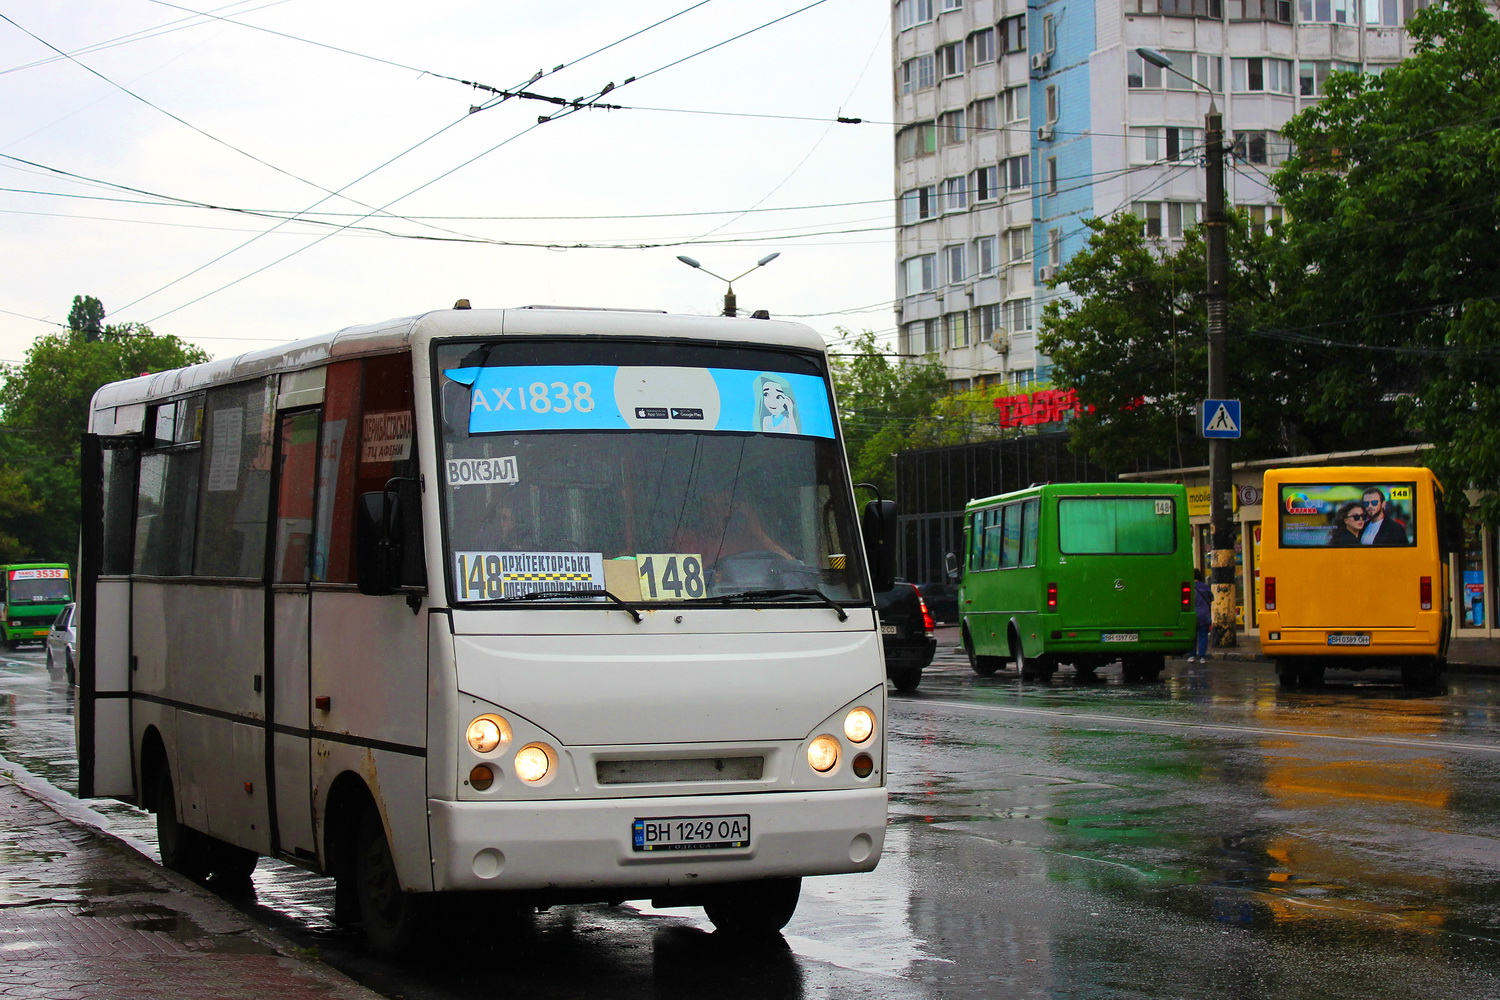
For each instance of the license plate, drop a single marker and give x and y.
(1349, 639)
(1119, 637)
(889, 630)
(688, 833)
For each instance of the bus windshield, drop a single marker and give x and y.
(46, 590)
(660, 472)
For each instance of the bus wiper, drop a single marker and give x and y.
(554, 595)
(769, 595)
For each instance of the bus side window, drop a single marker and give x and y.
(1010, 552)
(992, 529)
(338, 449)
(976, 540)
(1030, 532)
(388, 450)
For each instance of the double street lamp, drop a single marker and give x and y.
(729, 301)
(1220, 478)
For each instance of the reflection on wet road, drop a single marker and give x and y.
(1206, 836)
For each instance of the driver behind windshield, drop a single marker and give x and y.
(724, 526)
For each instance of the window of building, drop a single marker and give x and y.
(951, 59)
(921, 273)
(1052, 175)
(982, 47)
(1054, 103)
(1386, 13)
(919, 139)
(982, 115)
(910, 13)
(1017, 245)
(918, 74)
(986, 183)
(1328, 11)
(1017, 171)
(1259, 75)
(1017, 313)
(919, 334)
(1311, 76)
(1279, 11)
(1265, 148)
(1049, 33)
(1011, 33)
(918, 204)
(1017, 105)
(955, 194)
(986, 258)
(986, 322)
(1054, 247)
(1169, 218)
(1263, 216)
(956, 329)
(1207, 70)
(951, 129)
(948, 5)
(1179, 8)
(1163, 143)
(956, 263)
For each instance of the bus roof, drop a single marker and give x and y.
(1084, 490)
(410, 331)
(1352, 473)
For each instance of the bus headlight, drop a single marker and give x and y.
(859, 724)
(534, 762)
(488, 733)
(823, 753)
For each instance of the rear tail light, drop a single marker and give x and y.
(1268, 587)
(928, 622)
(1426, 590)
(1187, 596)
(1051, 597)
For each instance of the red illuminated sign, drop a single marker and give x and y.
(1046, 407)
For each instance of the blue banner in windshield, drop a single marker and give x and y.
(611, 397)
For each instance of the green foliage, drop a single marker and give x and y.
(45, 405)
(1394, 196)
(886, 408)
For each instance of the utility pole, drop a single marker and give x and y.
(1220, 476)
(1216, 251)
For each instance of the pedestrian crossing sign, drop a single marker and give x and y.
(1219, 418)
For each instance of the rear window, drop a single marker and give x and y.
(1122, 526)
(1335, 515)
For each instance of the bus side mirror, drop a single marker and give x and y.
(950, 565)
(878, 527)
(377, 547)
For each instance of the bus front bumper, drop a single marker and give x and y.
(584, 845)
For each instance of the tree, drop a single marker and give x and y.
(885, 408)
(1394, 216)
(45, 404)
(1132, 341)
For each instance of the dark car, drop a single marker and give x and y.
(942, 600)
(906, 632)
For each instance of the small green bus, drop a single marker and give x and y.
(1078, 573)
(35, 593)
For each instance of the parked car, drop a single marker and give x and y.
(942, 601)
(906, 632)
(62, 644)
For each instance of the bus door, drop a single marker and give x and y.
(109, 466)
(287, 631)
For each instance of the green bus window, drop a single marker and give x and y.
(1010, 553)
(992, 538)
(1030, 533)
(1116, 526)
(976, 539)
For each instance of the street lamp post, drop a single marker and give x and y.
(1220, 479)
(729, 300)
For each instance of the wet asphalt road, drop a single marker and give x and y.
(1205, 836)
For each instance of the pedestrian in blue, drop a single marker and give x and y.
(1203, 603)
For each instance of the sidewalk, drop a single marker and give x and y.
(85, 915)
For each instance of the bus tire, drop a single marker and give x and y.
(753, 909)
(393, 918)
(984, 666)
(906, 681)
(182, 849)
(229, 863)
(1037, 668)
(1422, 674)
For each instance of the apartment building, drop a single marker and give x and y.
(1020, 121)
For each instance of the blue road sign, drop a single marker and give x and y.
(1219, 418)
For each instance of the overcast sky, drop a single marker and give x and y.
(263, 111)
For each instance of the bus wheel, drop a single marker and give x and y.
(1147, 667)
(753, 909)
(984, 666)
(907, 680)
(1421, 674)
(392, 917)
(230, 863)
(183, 849)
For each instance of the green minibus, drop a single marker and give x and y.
(34, 595)
(1085, 574)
